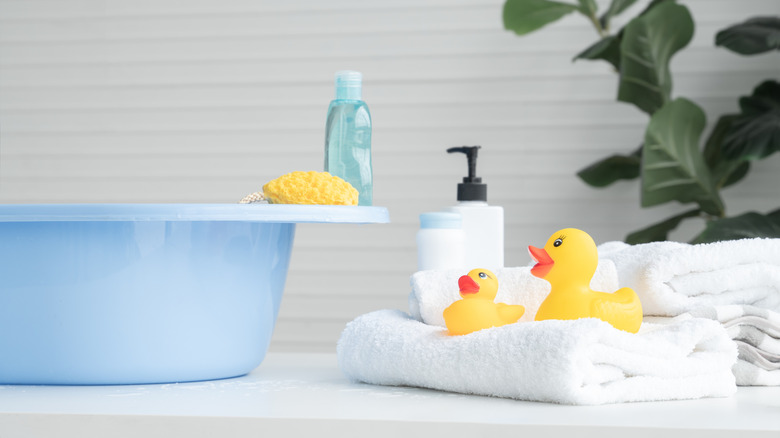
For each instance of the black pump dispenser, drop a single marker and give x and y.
(472, 188)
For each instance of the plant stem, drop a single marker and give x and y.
(597, 25)
(710, 217)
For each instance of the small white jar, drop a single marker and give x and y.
(441, 242)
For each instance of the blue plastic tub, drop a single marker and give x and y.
(145, 293)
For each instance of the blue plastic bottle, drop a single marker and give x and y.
(348, 136)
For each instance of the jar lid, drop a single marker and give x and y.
(440, 219)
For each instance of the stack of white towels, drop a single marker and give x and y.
(736, 283)
(756, 333)
(718, 301)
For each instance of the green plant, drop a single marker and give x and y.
(670, 161)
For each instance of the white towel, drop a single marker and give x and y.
(673, 278)
(434, 291)
(586, 361)
(748, 372)
(756, 333)
(755, 337)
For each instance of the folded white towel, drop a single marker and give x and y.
(673, 278)
(748, 372)
(743, 316)
(756, 333)
(434, 291)
(752, 336)
(762, 359)
(586, 361)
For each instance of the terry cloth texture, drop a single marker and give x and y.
(581, 362)
(756, 333)
(672, 278)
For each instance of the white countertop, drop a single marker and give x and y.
(307, 394)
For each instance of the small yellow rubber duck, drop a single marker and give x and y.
(568, 262)
(477, 311)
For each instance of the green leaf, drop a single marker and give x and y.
(653, 4)
(648, 44)
(607, 48)
(588, 7)
(755, 133)
(659, 231)
(605, 172)
(673, 169)
(526, 16)
(734, 176)
(744, 226)
(725, 171)
(615, 8)
(757, 35)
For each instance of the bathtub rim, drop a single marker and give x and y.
(271, 213)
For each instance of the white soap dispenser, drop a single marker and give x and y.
(483, 224)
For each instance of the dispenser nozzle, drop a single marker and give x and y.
(471, 156)
(471, 189)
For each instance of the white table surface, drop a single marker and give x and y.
(306, 394)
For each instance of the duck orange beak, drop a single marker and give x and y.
(543, 261)
(467, 285)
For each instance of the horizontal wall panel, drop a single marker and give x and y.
(439, 167)
(306, 335)
(316, 307)
(428, 68)
(369, 44)
(478, 115)
(262, 24)
(462, 92)
(103, 9)
(52, 9)
(409, 142)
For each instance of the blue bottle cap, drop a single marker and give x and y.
(440, 220)
(349, 85)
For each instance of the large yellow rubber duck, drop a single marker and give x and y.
(477, 311)
(568, 261)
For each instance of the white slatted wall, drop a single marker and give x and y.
(205, 100)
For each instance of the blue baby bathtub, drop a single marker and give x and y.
(145, 293)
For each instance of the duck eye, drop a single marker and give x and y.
(557, 242)
(482, 275)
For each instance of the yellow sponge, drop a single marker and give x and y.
(310, 188)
